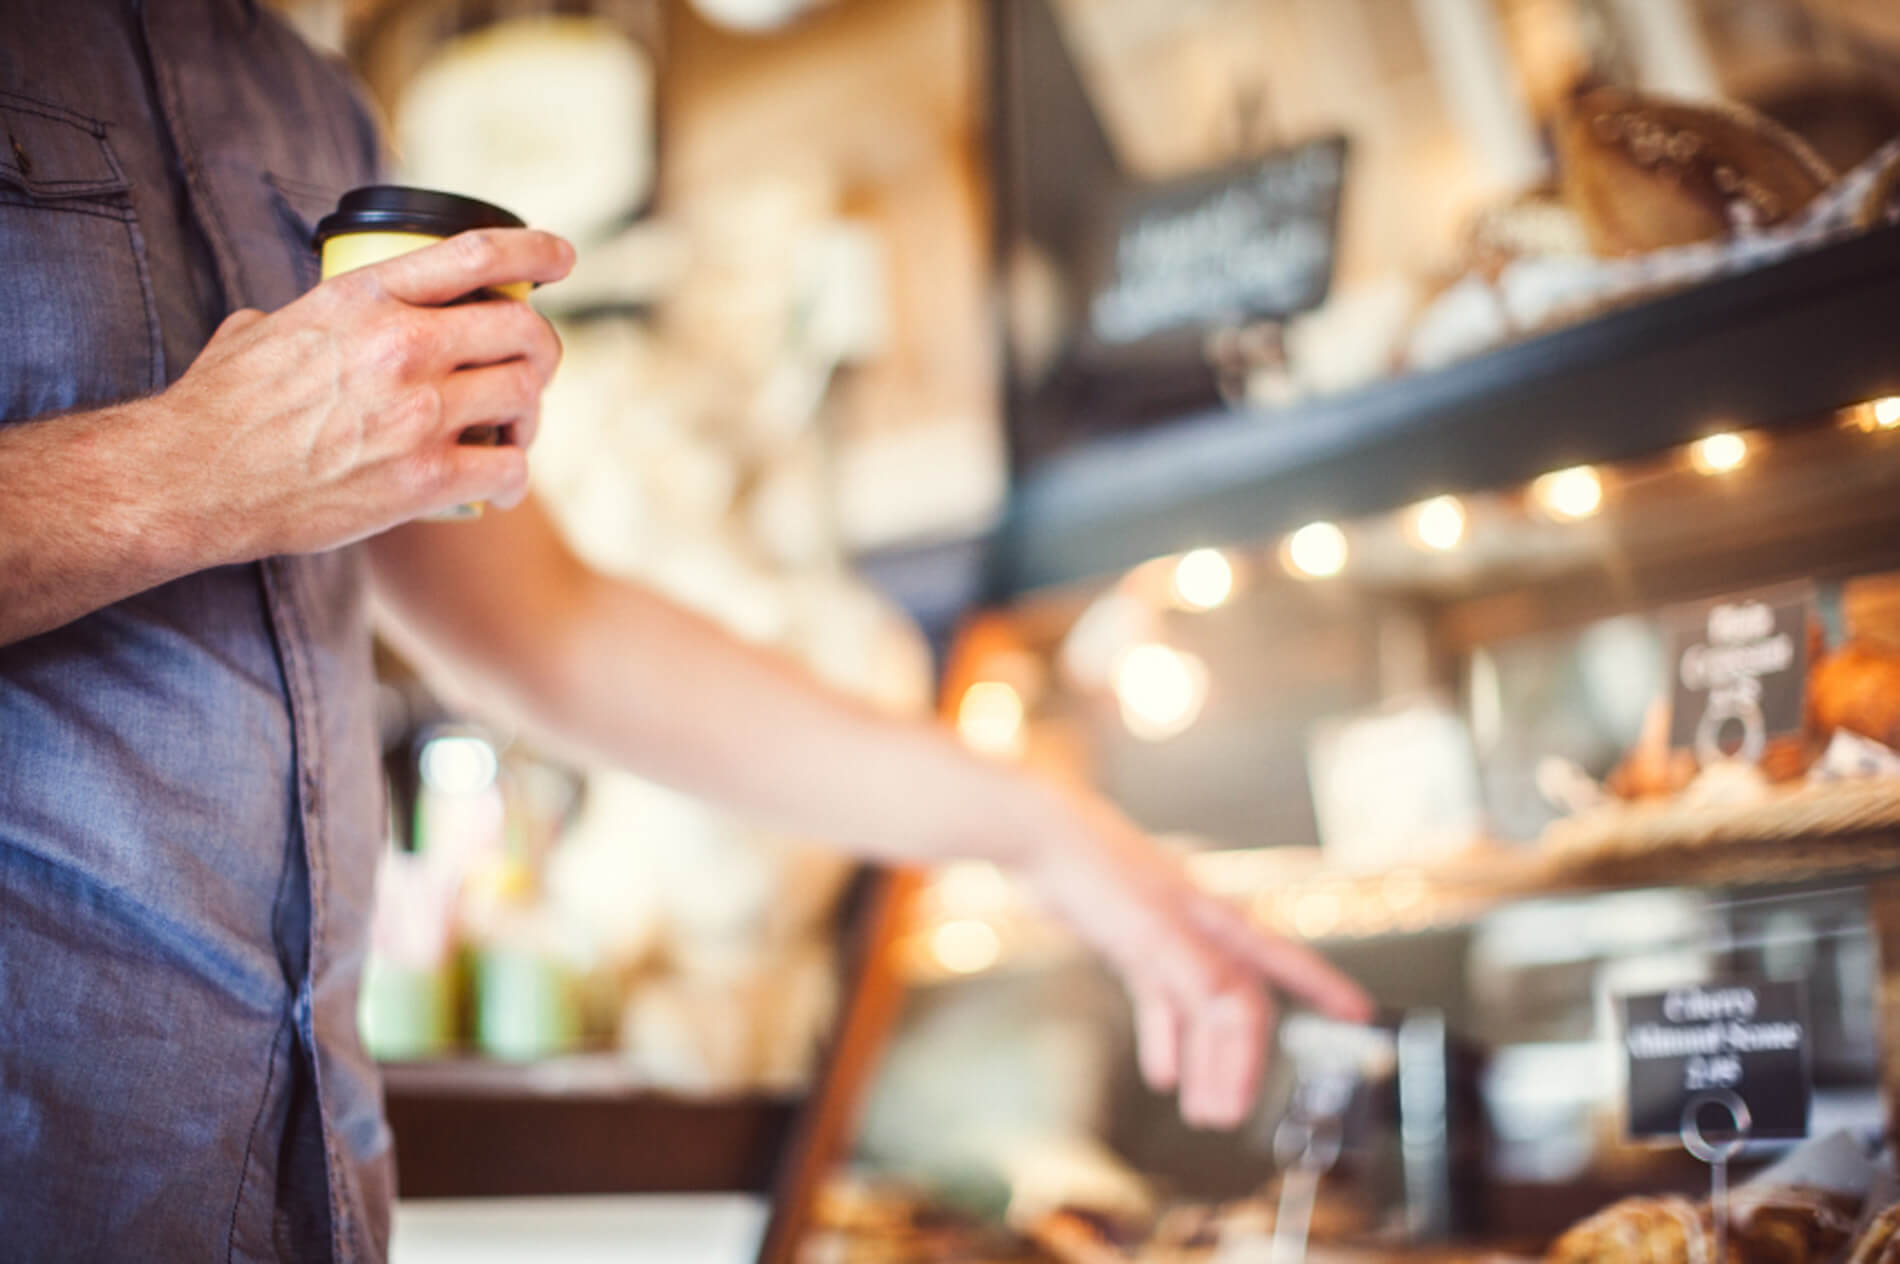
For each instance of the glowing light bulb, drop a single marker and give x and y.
(1160, 690)
(1569, 495)
(1719, 453)
(1317, 551)
(1438, 523)
(990, 719)
(1203, 579)
(966, 946)
(1886, 411)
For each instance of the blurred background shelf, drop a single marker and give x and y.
(471, 1128)
(1779, 345)
(1293, 891)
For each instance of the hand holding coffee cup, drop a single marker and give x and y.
(339, 415)
(377, 223)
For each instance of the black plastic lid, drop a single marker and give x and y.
(392, 208)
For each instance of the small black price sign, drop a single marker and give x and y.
(1746, 1038)
(1740, 672)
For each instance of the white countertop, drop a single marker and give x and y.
(647, 1229)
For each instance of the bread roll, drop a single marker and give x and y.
(1645, 173)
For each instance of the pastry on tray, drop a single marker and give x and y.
(1857, 688)
(1666, 1230)
(1791, 1224)
(1879, 1242)
(1769, 1225)
(1646, 173)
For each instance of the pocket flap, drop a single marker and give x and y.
(54, 153)
(301, 202)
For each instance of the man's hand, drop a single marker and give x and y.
(1197, 970)
(327, 421)
(337, 416)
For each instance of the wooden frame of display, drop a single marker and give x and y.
(823, 1131)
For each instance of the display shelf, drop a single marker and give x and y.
(1782, 344)
(1408, 900)
(470, 1127)
(1293, 892)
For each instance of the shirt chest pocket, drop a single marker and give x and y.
(80, 325)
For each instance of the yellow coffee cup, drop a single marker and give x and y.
(382, 221)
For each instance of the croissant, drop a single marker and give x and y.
(1666, 1230)
(1857, 688)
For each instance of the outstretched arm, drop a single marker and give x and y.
(505, 606)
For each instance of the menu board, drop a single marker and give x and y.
(1740, 672)
(1253, 241)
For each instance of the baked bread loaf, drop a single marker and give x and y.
(1645, 173)
(1882, 203)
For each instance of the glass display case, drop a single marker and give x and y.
(1537, 675)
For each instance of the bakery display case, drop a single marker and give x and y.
(1491, 584)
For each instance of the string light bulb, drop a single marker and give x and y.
(966, 946)
(1203, 579)
(1719, 453)
(1437, 524)
(1316, 551)
(1160, 690)
(1569, 495)
(990, 719)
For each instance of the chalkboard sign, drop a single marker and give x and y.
(1253, 241)
(1740, 672)
(1746, 1037)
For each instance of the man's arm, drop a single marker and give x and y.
(322, 423)
(505, 607)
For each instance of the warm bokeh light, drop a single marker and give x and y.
(1161, 691)
(1437, 524)
(966, 946)
(1316, 551)
(1203, 579)
(990, 719)
(1719, 453)
(1886, 411)
(1568, 495)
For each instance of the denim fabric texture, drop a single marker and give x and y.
(189, 804)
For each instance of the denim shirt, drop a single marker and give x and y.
(189, 814)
